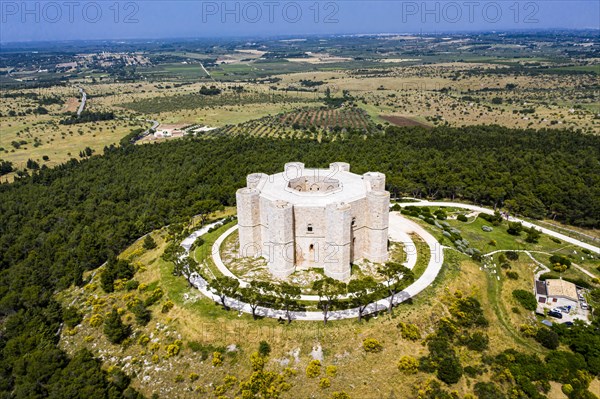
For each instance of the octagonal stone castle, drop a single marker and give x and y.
(323, 218)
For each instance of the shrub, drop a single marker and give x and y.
(449, 369)
(217, 359)
(488, 390)
(96, 320)
(204, 349)
(408, 365)
(409, 331)
(468, 313)
(149, 242)
(324, 383)
(71, 317)
(331, 371)
(194, 377)
(472, 371)
(313, 369)
(525, 298)
(264, 349)
(556, 240)
(179, 378)
(143, 340)
(462, 218)
(561, 260)
(154, 297)
(512, 255)
(495, 219)
(257, 361)
(371, 345)
(172, 350)
(340, 395)
(567, 389)
(533, 235)
(559, 268)
(167, 306)
(477, 341)
(142, 314)
(514, 228)
(512, 275)
(132, 285)
(547, 337)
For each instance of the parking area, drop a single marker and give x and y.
(568, 310)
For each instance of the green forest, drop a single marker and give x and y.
(58, 223)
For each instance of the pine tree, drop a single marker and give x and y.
(142, 313)
(114, 328)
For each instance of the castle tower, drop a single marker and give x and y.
(375, 180)
(280, 243)
(248, 221)
(378, 210)
(339, 167)
(256, 180)
(338, 241)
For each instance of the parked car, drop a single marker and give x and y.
(584, 305)
(568, 323)
(554, 314)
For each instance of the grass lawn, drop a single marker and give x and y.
(195, 318)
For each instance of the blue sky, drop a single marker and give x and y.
(73, 19)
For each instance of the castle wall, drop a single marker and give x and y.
(303, 235)
(358, 229)
(338, 240)
(247, 200)
(309, 230)
(280, 247)
(377, 226)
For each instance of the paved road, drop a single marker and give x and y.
(400, 227)
(83, 100)
(527, 224)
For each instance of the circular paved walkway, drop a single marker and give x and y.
(396, 234)
(399, 229)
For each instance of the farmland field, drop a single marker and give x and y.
(400, 120)
(308, 122)
(328, 118)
